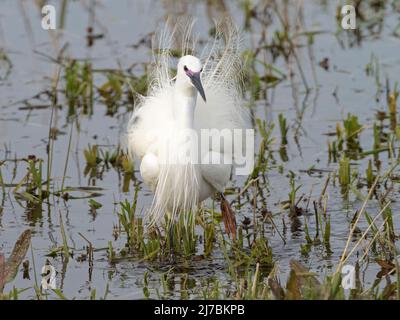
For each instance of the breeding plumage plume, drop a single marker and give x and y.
(165, 130)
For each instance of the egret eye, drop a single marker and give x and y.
(201, 70)
(185, 68)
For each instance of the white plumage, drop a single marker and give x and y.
(160, 125)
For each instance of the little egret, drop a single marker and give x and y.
(206, 93)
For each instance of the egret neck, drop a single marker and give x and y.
(185, 97)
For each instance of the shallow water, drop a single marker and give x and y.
(25, 132)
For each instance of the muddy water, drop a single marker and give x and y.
(333, 93)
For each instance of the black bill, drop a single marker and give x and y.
(195, 78)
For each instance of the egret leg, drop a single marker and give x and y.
(228, 216)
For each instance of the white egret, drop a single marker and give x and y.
(206, 93)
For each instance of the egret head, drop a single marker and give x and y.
(189, 70)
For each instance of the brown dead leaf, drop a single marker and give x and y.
(17, 255)
(387, 267)
(228, 216)
(276, 288)
(385, 264)
(299, 277)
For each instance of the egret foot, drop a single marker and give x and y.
(228, 216)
